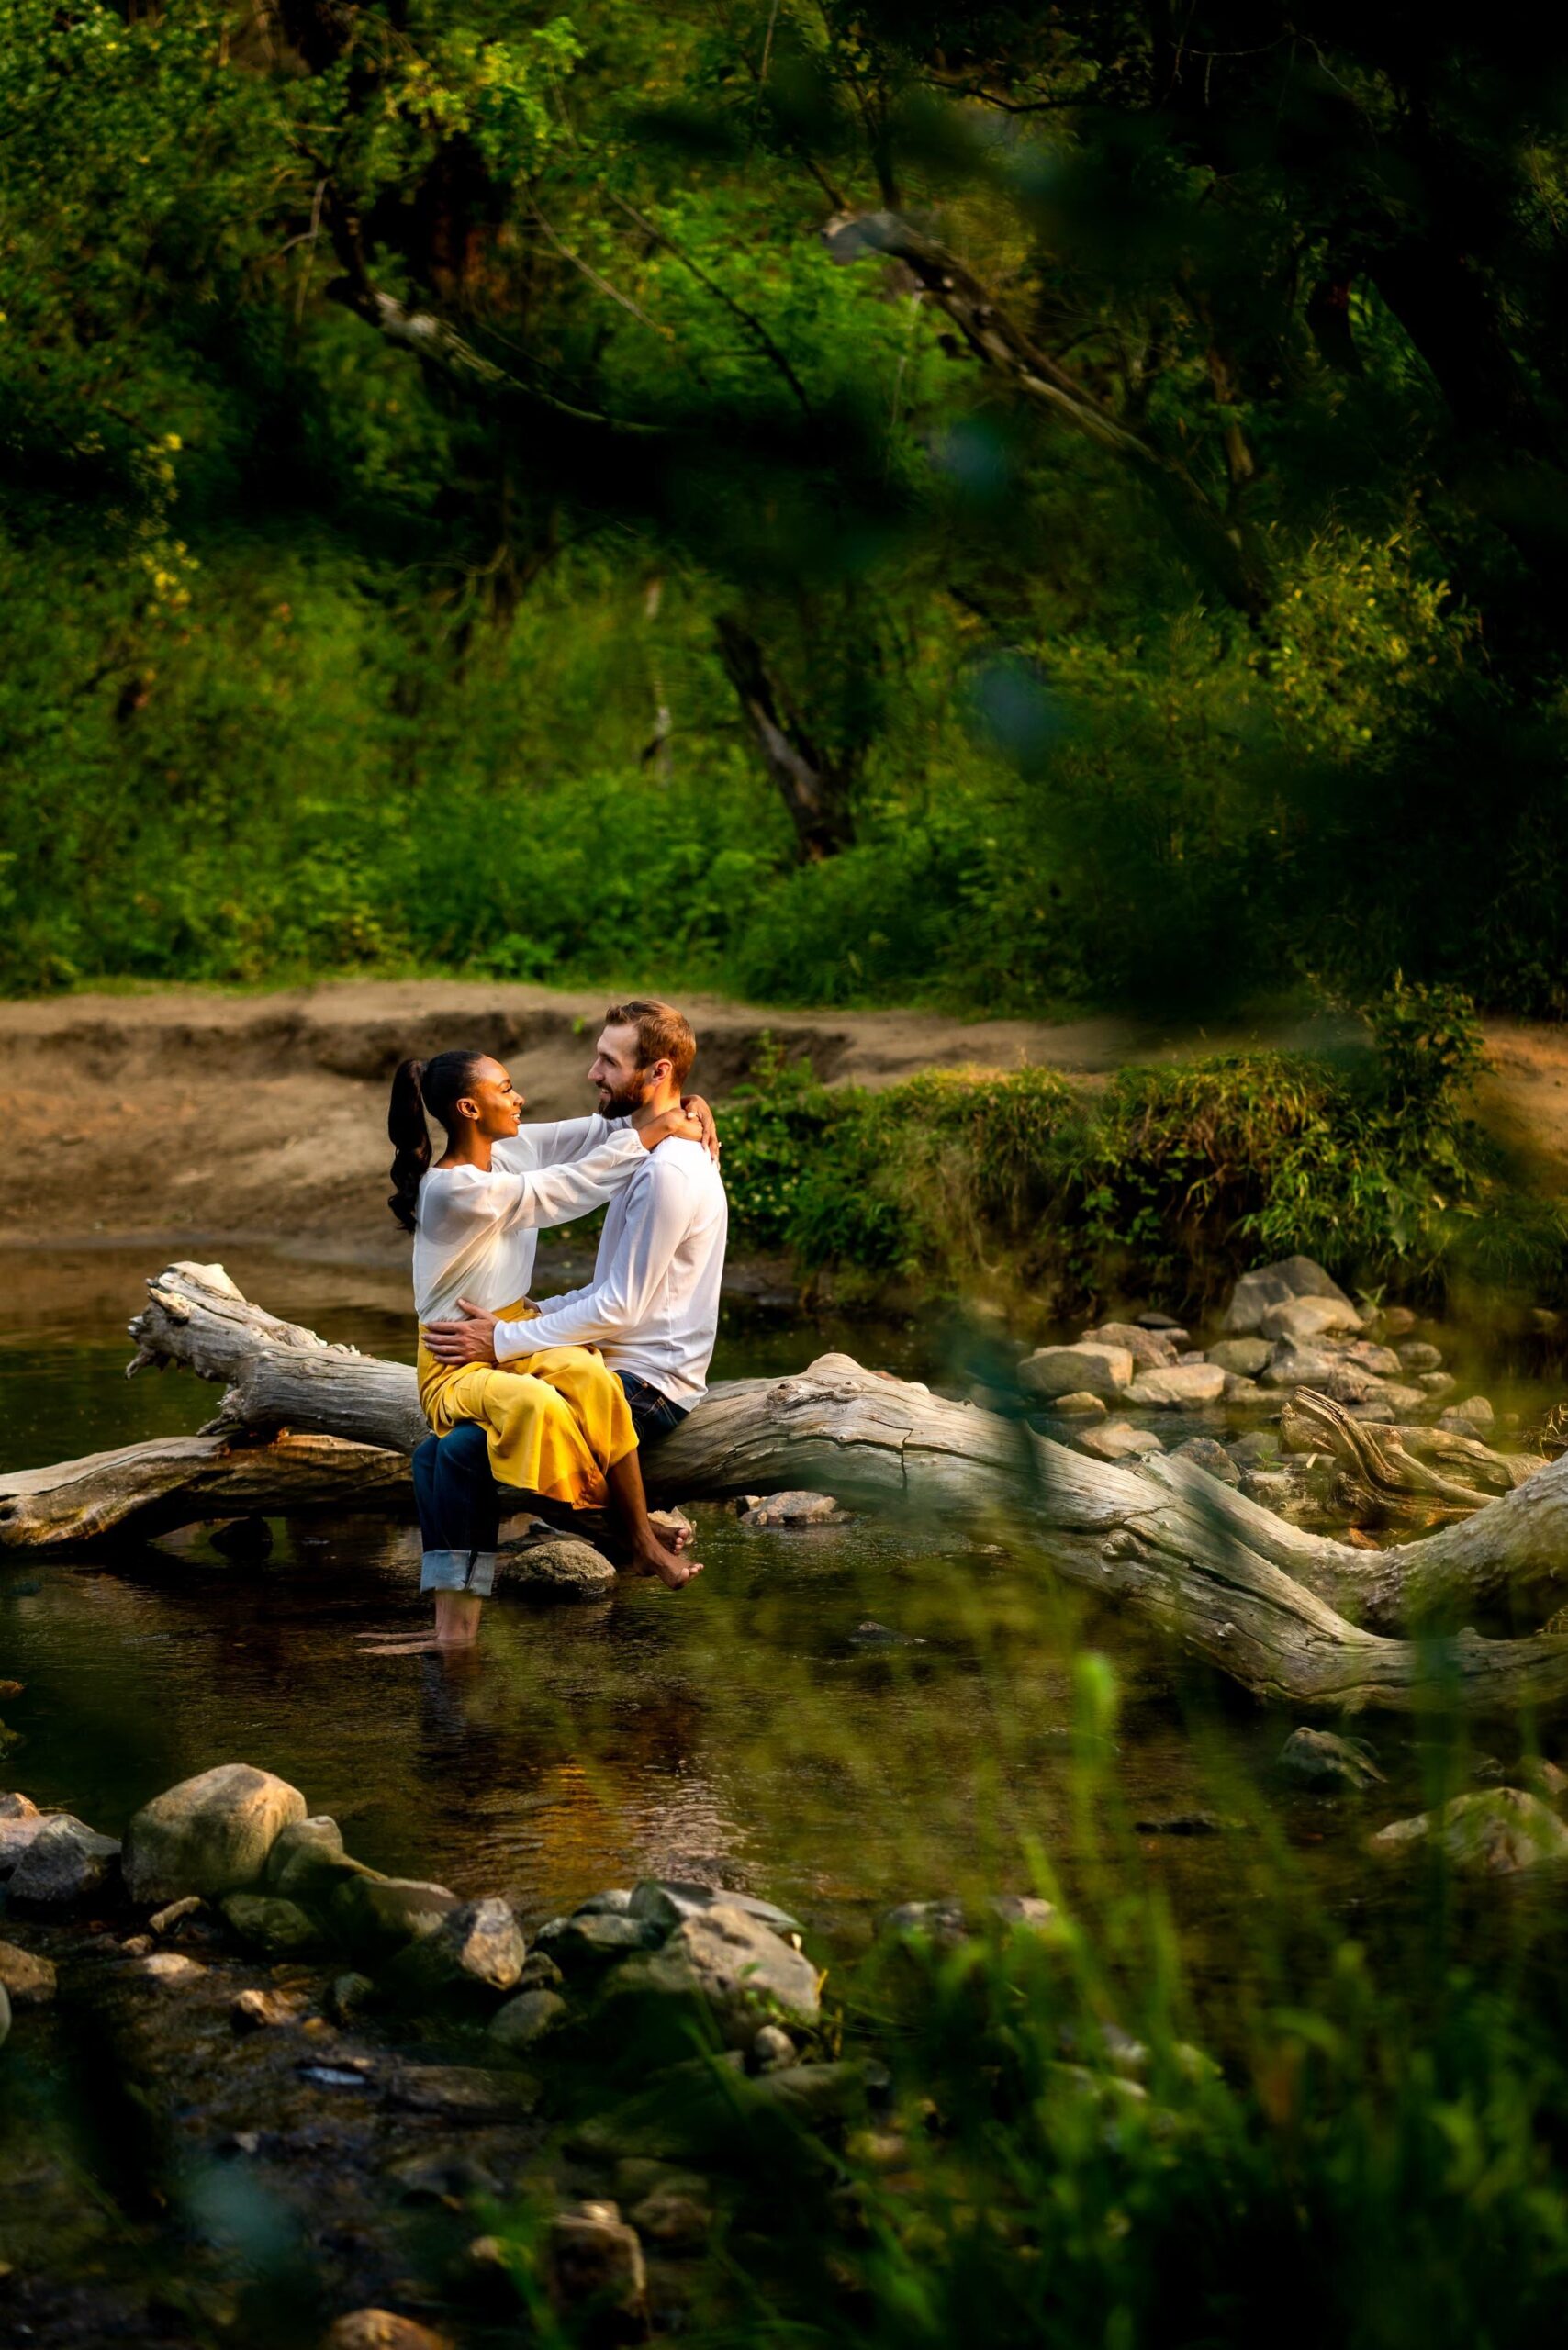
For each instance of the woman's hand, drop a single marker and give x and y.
(671, 1124)
(708, 1130)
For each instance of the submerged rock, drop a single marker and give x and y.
(1244, 1357)
(64, 1862)
(737, 1968)
(1118, 1440)
(793, 1509)
(211, 1834)
(558, 1566)
(1499, 1832)
(1324, 1760)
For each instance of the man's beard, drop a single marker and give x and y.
(621, 1104)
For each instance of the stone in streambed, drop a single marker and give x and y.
(64, 1863)
(794, 1509)
(1245, 1358)
(1150, 1349)
(1381, 1362)
(167, 1967)
(1050, 1371)
(170, 1919)
(1324, 1760)
(1434, 1383)
(466, 2093)
(1301, 1321)
(594, 2262)
(1468, 1418)
(1417, 1356)
(1331, 1375)
(474, 1952)
(377, 1914)
(1118, 1440)
(267, 1923)
(739, 1970)
(1242, 1390)
(664, 1902)
(615, 1901)
(1276, 1284)
(257, 2010)
(211, 1834)
(302, 1851)
(589, 1940)
(528, 2019)
(1205, 1453)
(558, 1566)
(1184, 1385)
(29, 1979)
(1080, 1407)
(381, 2330)
(19, 1823)
(1499, 1832)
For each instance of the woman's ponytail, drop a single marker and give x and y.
(437, 1085)
(409, 1138)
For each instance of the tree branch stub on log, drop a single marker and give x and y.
(1267, 1603)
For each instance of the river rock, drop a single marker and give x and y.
(1324, 1760)
(166, 1966)
(530, 2017)
(378, 1915)
(299, 1853)
(1467, 1418)
(1105, 1371)
(476, 1950)
(674, 2220)
(1302, 1320)
(771, 2048)
(1433, 1383)
(793, 1509)
(594, 2262)
(1275, 1284)
(1184, 1386)
(1256, 1447)
(1154, 1319)
(539, 1972)
(737, 1968)
(256, 2010)
(1205, 1454)
(29, 1979)
(269, 1923)
(19, 1823)
(664, 1902)
(350, 1998)
(1498, 1832)
(1402, 1402)
(1241, 1391)
(583, 1943)
(1080, 1407)
(1534, 1774)
(1381, 1362)
(1416, 1355)
(467, 2094)
(1243, 1356)
(381, 2330)
(64, 1862)
(1117, 1440)
(211, 1834)
(170, 1919)
(558, 1566)
(1150, 1349)
(615, 1901)
(1343, 1382)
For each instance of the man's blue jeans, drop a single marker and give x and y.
(460, 1505)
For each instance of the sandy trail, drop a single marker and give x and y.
(192, 1119)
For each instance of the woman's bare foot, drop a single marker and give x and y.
(675, 1532)
(654, 1558)
(457, 1618)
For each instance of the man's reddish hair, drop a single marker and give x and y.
(662, 1034)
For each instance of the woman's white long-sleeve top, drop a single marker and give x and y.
(475, 1233)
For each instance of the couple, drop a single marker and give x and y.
(523, 1413)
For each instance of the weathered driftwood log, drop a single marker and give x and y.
(147, 1489)
(1269, 1603)
(1402, 1476)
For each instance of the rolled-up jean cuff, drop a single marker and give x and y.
(471, 1571)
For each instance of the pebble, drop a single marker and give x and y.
(163, 1921)
(168, 1966)
(771, 2048)
(254, 2010)
(794, 1509)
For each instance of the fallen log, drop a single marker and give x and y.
(146, 1489)
(1402, 1476)
(1290, 1614)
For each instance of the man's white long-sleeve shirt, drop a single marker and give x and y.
(652, 1305)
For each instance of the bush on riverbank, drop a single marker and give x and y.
(1159, 1182)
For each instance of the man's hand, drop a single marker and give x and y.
(473, 1340)
(708, 1133)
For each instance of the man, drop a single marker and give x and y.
(652, 1309)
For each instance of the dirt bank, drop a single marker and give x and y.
(197, 1119)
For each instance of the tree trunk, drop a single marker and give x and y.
(1269, 1603)
(813, 790)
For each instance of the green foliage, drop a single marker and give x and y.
(1157, 1183)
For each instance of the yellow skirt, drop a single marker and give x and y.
(554, 1422)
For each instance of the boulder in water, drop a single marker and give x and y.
(211, 1835)
(1499, 1832)
(62, 1863)
(739, 1970)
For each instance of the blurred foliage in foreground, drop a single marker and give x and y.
(1155, 1184)
(998, 505)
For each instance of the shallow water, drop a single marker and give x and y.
(743, 1732)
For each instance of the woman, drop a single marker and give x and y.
(556, 1423)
